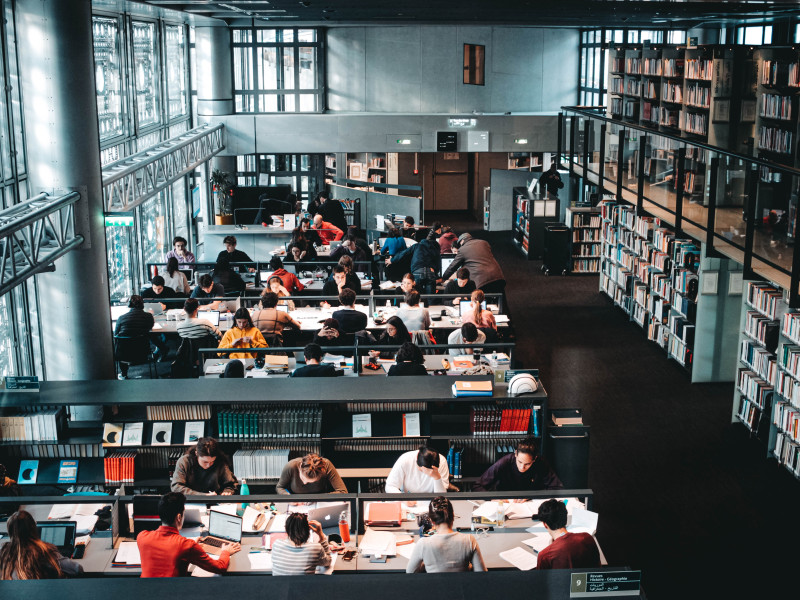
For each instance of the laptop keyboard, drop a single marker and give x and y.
(213, 542)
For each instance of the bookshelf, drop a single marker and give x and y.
(521, 222)
(366, 167)
(585, 224)
(529, 161)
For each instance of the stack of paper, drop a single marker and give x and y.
(128, 554)
(260, 561)
(520, 558)
(583, 521)
(538, 542)
(378, 543)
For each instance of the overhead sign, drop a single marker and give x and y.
(447, 141)
(606, 583)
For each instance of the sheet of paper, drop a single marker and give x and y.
(198, 572)
(405, 551)
(583, 521)
(260, 561)
(157, 326)
(215, 368)
(228, 509)
(520, 558)
(192, 533)
(62, 511)
(128, 553)
(378, 542)
(520, 511)
(86, 509)
(329, 569)
(278, 524)
(85, 524)
(487, 509)
(538, 542)
(501, 318)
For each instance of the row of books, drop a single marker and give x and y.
(260, 463)
(759, 359)
(132, 434)
(773, 72)
(698, 95)
(40, 426)
(630, 109)
(633, 66)
(762, 329)
(585, 265)
(651, 66)
(667, 117)
(454, 462)
(683, 279)
(586, 235)
(774, 106)
(788, 387)
(650, 90)
(764, 298)
(118, 467)
(485, 420)
(178, 412)
(789, 359)
(682, 328)
(754, 388)
(680, 351)
(255, 423)
(791, 326)
(378, 445)
(54, 450)
(699, 68)
(364, 407)
(694, 123)
(671, 92)
(617, 85)
(787, 452)
(673, 67)
(586, 250)
(775, 139)
(633, 87)
(748, 413)
(787, 418)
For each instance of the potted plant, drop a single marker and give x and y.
(223, 199)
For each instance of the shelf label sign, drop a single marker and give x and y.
(607, 583)
(21, 384)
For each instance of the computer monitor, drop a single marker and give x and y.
(189, 273)
(446, 262)
(118, 311)
(212, 316)
(465, 307)
(290, 268)
(263, 277)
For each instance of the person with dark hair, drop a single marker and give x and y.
(351, 280)
(422, 471)
(350, 320)
(425, 262)
(159, 292)
(447, 551)
(468, 334)
(296, 555)
(204, 469)
(26, 556)
(231, 253)
(269, 320)
(394, 243)
(313, 368)
(395, 334)
(242, 335)
(409, 361)
(310, 474)
(275, 285)
(289, 280)
(233, 370)
(477, 256)
(179, 251)
(208, 289)
(335, 285)
(332, 211)
(409, 228)
(166, 553)
(328, 232)
(8, 487)
(229, 279)
(481, 317)
(349, 248)
(314, 204)
(462, 284)
(330, 334)
(446, 240)
(567, 550)
(523, 470)
(175, 279)
(311, 235)
(407, 284)
(133, 323)
(550, 181)
(415, 317)
(193, 328)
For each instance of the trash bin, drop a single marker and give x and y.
(568, 447)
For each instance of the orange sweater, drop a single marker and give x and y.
(166, 553)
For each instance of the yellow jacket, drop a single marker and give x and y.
(234, 333)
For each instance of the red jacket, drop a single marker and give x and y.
(329, 233)
(166, 553)
(570, 551)
(289, 280)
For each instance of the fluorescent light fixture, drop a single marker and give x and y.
(521, 141)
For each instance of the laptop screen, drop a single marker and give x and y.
(290, 268)
(58, 534)
(465, 307)
(118, 311)
(188, 272)
(225, 526)
(210, 315)
(446, 262)
(282, 307)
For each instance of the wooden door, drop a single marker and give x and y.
(451, 181)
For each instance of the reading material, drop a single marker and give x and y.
(411, 425)
(133, 434)
(194, 431)
(162, 434)
(520, 558)
(362, 425)
(112, 434)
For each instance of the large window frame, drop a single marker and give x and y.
(281, 167)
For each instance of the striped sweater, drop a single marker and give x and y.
(288, 559)
(197, 328)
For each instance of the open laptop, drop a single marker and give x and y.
(446, 262)
(232, 305)
(335, 245)
(212, 316)
(465, 307)
(290, 268)
(59, 533)
(153, 308)
(189, 274)
(118, 311)
(263, 277)
(328, 516)
(222, 529)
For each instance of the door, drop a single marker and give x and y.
(451, 181)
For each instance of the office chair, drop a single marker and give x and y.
(135, 350)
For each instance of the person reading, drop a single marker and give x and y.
(204, 469)
(468, 334)
(165, 552)
(297, 555)
(208, 289)
(313, 368)
(521, 470)
(447, 551)
(310, 474)
(462, 284)
(350, 320)
(242, 335)
(395, 334)
(477, 315)
(567, 550)
(409, 361)
(26, 556)
(419, 472)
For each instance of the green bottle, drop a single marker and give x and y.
(244, 491)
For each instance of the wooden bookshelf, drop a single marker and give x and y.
(585, 248)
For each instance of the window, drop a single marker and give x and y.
(176, 71)
(146, 75)
(303, 172)
(108, 77)
(277, 70)
(754, 35)
(474, 64)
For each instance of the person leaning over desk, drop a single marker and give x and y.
(159, 292)
(523, 470)
(193, 328)
(462, 284)
(175, 279)
(477, 315)
(242, 335)
(296, 555)
(409, 361)
(350, 320)
(395, 334)
(165, 552)
(420, 471)
(446, 551)
(567, 550)
(26, 556)
(288, 280)
(275, 285)
(468, 334)
(204, 469)
(310, 474)
(313, 368)
(208, 289)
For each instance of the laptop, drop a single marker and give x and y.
(212, 316)
(328, 516)
(118, 311)
(59, 533)
(289, 268)
(335, 245)
(465, 307)
(189, 273)
(446, 262)
(232, 305)
(222, 529)
(153, 308)
(263, 277)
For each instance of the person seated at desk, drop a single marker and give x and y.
(311, 235)
(407, 284)
(310, 474)
(134, 323)
(395, 334)
(300, 248)
(313, 205)
(159, 292)
(327, 232)
(193, 328)
(462, 284)
(331, 335)
(231, 253)
(415, 317)
(339, 282)
(242, 335)
(26, 556)
(350, 320)
(175, 279)
(229, 279)
(446, 551)
(422, 471)
(179, 251)
(468, 334)
(567, 550)
(409, 361)
(394, 243)
(165, 552)
(409, 229)
(208, 289)
(313, 354)
(446, 240)
(296, 555)
(349, 248)
(480, 317)
(8, 487)
(288, 280)
(233, 370)
(332, 211)
(275, 285)
(521, 471)
(271, 321)
(204, 469)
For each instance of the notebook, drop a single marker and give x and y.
(384, 514)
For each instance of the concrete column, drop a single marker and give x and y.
(57, 73)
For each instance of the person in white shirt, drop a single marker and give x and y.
(419, 472)
(175, 279)
(468, 334)
(414, 316)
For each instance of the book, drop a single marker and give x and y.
(68, 471)
(362, 425)
(411, 424)
(162, 434)
(132, 435)
(112, 434)
(194, 431)
(472, 388)
(28, 471)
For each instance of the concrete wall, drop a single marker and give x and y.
(418, 69)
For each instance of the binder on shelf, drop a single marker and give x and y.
(112, 434)
(472, 388)
(362, 425)
(68, 471)
(28, 472)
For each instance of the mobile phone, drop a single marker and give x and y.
(349, 555)
(79, 551)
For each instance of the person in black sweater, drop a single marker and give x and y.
(521, 471)
(462, 284)
(133, 323)
(313, 354)
(332, 211)
(159, 292)
(233, 255)
(395, 334)
(229, 279)
(339, 282)
(350, 320)
(409, 361)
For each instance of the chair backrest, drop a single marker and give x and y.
(187, 361)
(134, 350)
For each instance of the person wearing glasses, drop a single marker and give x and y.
(523, 470)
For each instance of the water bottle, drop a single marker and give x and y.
(244, 491)
(500, 517)
(344, 527)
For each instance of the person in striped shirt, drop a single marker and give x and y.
(296, 555)
(194, 328)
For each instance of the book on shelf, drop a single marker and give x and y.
(260, 463)
(28, 472)
(68, 471)
(265, 422)
(194, 431)
(362, 425)
(132, 435)
(162, 434)
(112, 434)
(119, 467)
(411, 425)
(26, 425)
(178, 412)
(472, 388)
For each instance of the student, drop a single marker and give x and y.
(296, 555)
(327, 232)
(133, 323)
(422, 471)
(408, 227)
(551, 180)
(313, 368)
(311, 235)
(26, 556)
(407, 284)
(425, 262)
(332, 211)
(231, 253)
(335, 285)
(204, 469)
(567, 550)
(227, 277)
(446, 551)
(468, 334)
(175, 279)
(242, 335)
(159, 292)
(331, 335)
(409, 361)
(477, 256)
(233, 370)
(415, 317)
(310, 474)
(208, 289)
(288, 280)
(462, 284)
(349, 248)
(446, 240)
(394, 243)
(300, 247)
(193, 328)
(477, 315)
(523, 470)
(395, 334)
(271, 321)
(350, 320)
(179, 251)
(275, 285)
(165, 552)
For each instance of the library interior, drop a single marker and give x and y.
(569, 226)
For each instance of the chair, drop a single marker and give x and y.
(135, 350)
(187, 360)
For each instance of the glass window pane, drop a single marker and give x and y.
(242, 69)
(797, 33)
(119, 246)
(288, 35)
(108, 76)
(146, 77)
(618, 35)
(266, 35)
(306, 35)
(268, 103)
(153, 228)
(767, 35)
(288, 69)
(596, 72)
(268, 69)
(308, 103)
(176, 70)
(7, 361)
(308, 68)
(289, 103)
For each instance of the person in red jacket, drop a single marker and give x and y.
(166, 553)
(327, 231)
(567, 550)
(289, 280)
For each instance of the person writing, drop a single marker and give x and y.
(270, 321)
(462, 284)
(395, 334)
(204, 469)
(26, 556)
(468, 334)
(159, 292)
(288, 280)
(414, 316)
(479, 316)
(446, 551)
(275, 285)
(242, 335)
(179, 251)
(165, 552)
(523, 470)
(310, 474)
(419, 472)
(567, 550)
(208, 289)
(296, 555)
(313, 368)
(193, 328)
(175, 279)
(409, 361)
